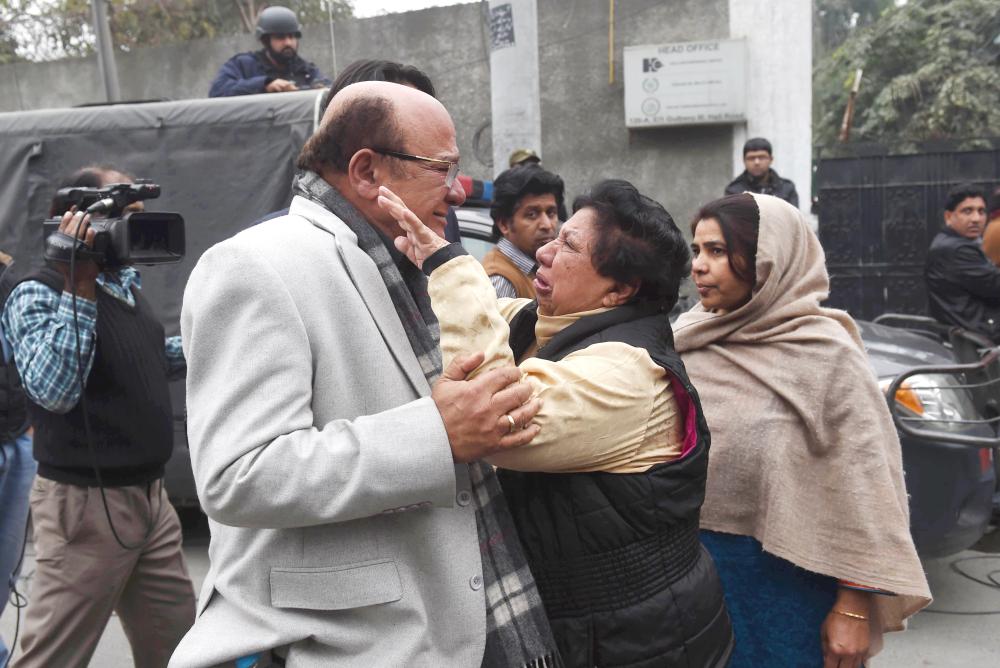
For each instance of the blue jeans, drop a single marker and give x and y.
(17, 470)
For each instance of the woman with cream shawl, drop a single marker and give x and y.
(805, 509)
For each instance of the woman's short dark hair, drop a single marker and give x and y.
(637, 240)
(518, 182)
(739, 219)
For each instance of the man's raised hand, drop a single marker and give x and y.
(475, 412)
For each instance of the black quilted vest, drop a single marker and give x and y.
(623, 576)
(128, 401)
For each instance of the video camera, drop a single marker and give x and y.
(140, 237)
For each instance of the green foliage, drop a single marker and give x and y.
(931, 73)
(45, 29)
(8, 45)
(834, 20)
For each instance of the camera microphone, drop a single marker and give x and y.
(101, 205)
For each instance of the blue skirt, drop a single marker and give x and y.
(776, 607)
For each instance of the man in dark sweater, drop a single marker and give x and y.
(758, 177)
(277, 68)
(106, 537)
(963, 286)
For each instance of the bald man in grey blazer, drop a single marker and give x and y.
(333, 464)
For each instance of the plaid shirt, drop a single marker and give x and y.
(38, 324)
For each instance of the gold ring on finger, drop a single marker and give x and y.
(513, 425)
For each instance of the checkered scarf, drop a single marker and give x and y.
(517, 630)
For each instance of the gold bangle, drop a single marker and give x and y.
(852, 615)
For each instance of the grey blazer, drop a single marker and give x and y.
(341, 526)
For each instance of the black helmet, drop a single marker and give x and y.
(278, 21)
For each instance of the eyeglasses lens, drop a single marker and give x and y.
(449, 180)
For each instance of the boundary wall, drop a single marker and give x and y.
(582, 114)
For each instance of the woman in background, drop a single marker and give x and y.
(805, 510)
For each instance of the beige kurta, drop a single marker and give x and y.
(608, 407)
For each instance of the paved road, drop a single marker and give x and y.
(934, 639)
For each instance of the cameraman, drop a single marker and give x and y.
(106, 537)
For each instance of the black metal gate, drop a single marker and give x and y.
(877, 216)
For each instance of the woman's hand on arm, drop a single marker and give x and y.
(597, 404)
(420, 241)
(846, 638)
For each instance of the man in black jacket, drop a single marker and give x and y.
(963, 286)
(758, 177)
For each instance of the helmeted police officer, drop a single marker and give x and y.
(277, 68)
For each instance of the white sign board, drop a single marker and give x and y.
(691, 83)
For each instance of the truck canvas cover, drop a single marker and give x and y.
(223, 163)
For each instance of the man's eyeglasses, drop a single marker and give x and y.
(449, 180)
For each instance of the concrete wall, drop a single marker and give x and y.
(583, 116)
(448, 43)
(583, 131)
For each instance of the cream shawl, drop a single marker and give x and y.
(805, 457)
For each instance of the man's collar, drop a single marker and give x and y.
(522, 260)
(768, 177)
(947, 230)
(315, 188)
(127, 275)
(312, 186)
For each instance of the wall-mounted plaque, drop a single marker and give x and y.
(690, 83)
